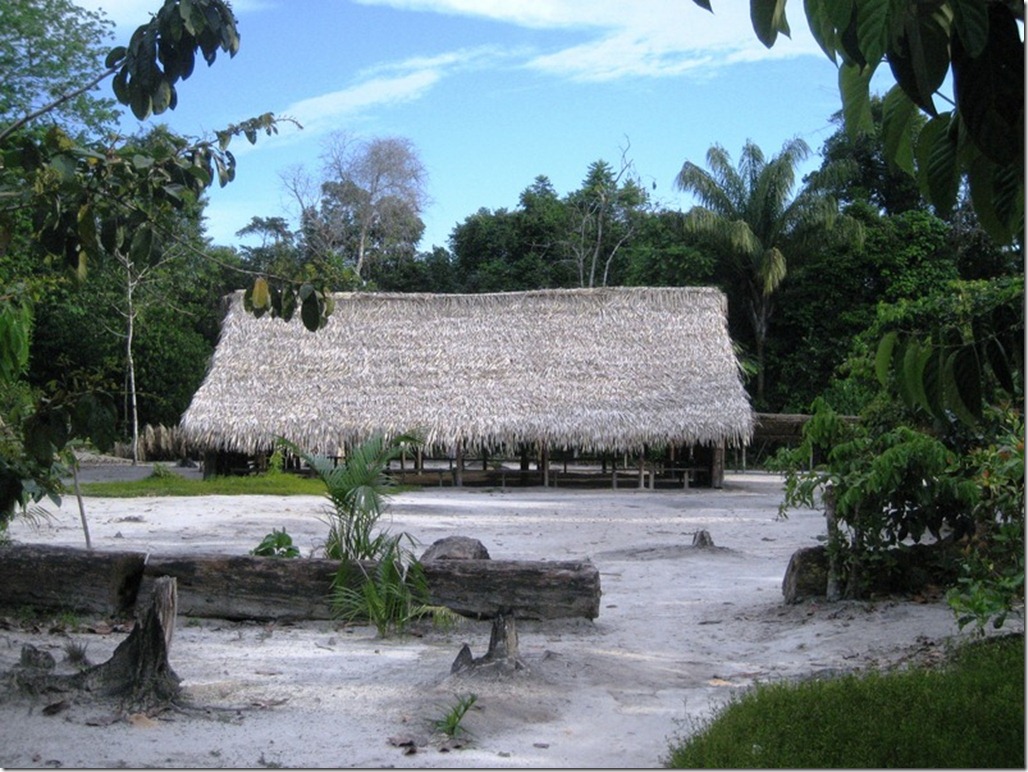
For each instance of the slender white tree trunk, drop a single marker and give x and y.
(130, 319)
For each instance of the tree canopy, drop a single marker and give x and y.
(977, 44)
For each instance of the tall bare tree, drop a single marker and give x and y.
(602, 217)
(372, 196)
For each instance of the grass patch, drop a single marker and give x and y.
(171, 484)
(967, 713)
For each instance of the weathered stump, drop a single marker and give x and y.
(702, 539)
(138, 672)
(502, 657)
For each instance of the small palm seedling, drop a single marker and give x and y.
(450, 724)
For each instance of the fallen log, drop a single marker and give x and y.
(263, 588)
(50, 578)
(247, 587)
(527, 589)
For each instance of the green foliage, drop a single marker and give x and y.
(357, 489)
(912, 346)
(66, 43)
(951, 355)
(392, 592)
(888, 486)
(163, 51)
(389, 595)
(277, 544)
(450, 723)
(974, 707)
(992, 581)
(15, 323)
(976, 44)
(160, 472)
(755, 225)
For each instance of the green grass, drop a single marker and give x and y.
(967, 713)
(171, 484)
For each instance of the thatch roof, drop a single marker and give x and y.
(597, 369)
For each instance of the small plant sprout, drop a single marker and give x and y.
(450, 724)
(75, 653)
(277, 544)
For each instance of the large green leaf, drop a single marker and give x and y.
(936, 153)
(310, 312)
(768, 19)
(932, 380)
(898, 114)
(883, 357)
(820, 22)
(999, 364)
(260, 298)
(919, 57)
(915, 360)
(989, 88)
(963, 386)
(972, 24)
(856, 100)
(839, 12)
(873, 29)
(142, 243)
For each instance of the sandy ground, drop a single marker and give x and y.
(681, 629)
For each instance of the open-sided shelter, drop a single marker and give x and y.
(595, 370)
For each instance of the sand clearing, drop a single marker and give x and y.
(680, 630)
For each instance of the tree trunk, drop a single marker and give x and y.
(833, 590)
(130, 319)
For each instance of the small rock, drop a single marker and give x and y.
(36, 658)
(456, 548)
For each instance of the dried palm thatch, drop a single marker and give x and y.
(597, 369)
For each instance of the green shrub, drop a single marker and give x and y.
(968, 713)
(277, 544)
(389, 595)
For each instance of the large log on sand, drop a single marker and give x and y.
(69, 579)
(263, 588)
(245, 587)
(526, 589)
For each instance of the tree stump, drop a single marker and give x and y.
(702, 539)
(502, 657)
(138, 672)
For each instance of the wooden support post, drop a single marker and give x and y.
(544, 464)
(717, 466)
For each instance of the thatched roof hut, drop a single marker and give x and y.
(597, 369)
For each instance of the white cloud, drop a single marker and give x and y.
(316, 112)
(649, 38)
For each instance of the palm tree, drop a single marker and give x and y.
(748, 213)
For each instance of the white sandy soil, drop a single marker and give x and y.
(681, 629)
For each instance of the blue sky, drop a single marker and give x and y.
(493, 93)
